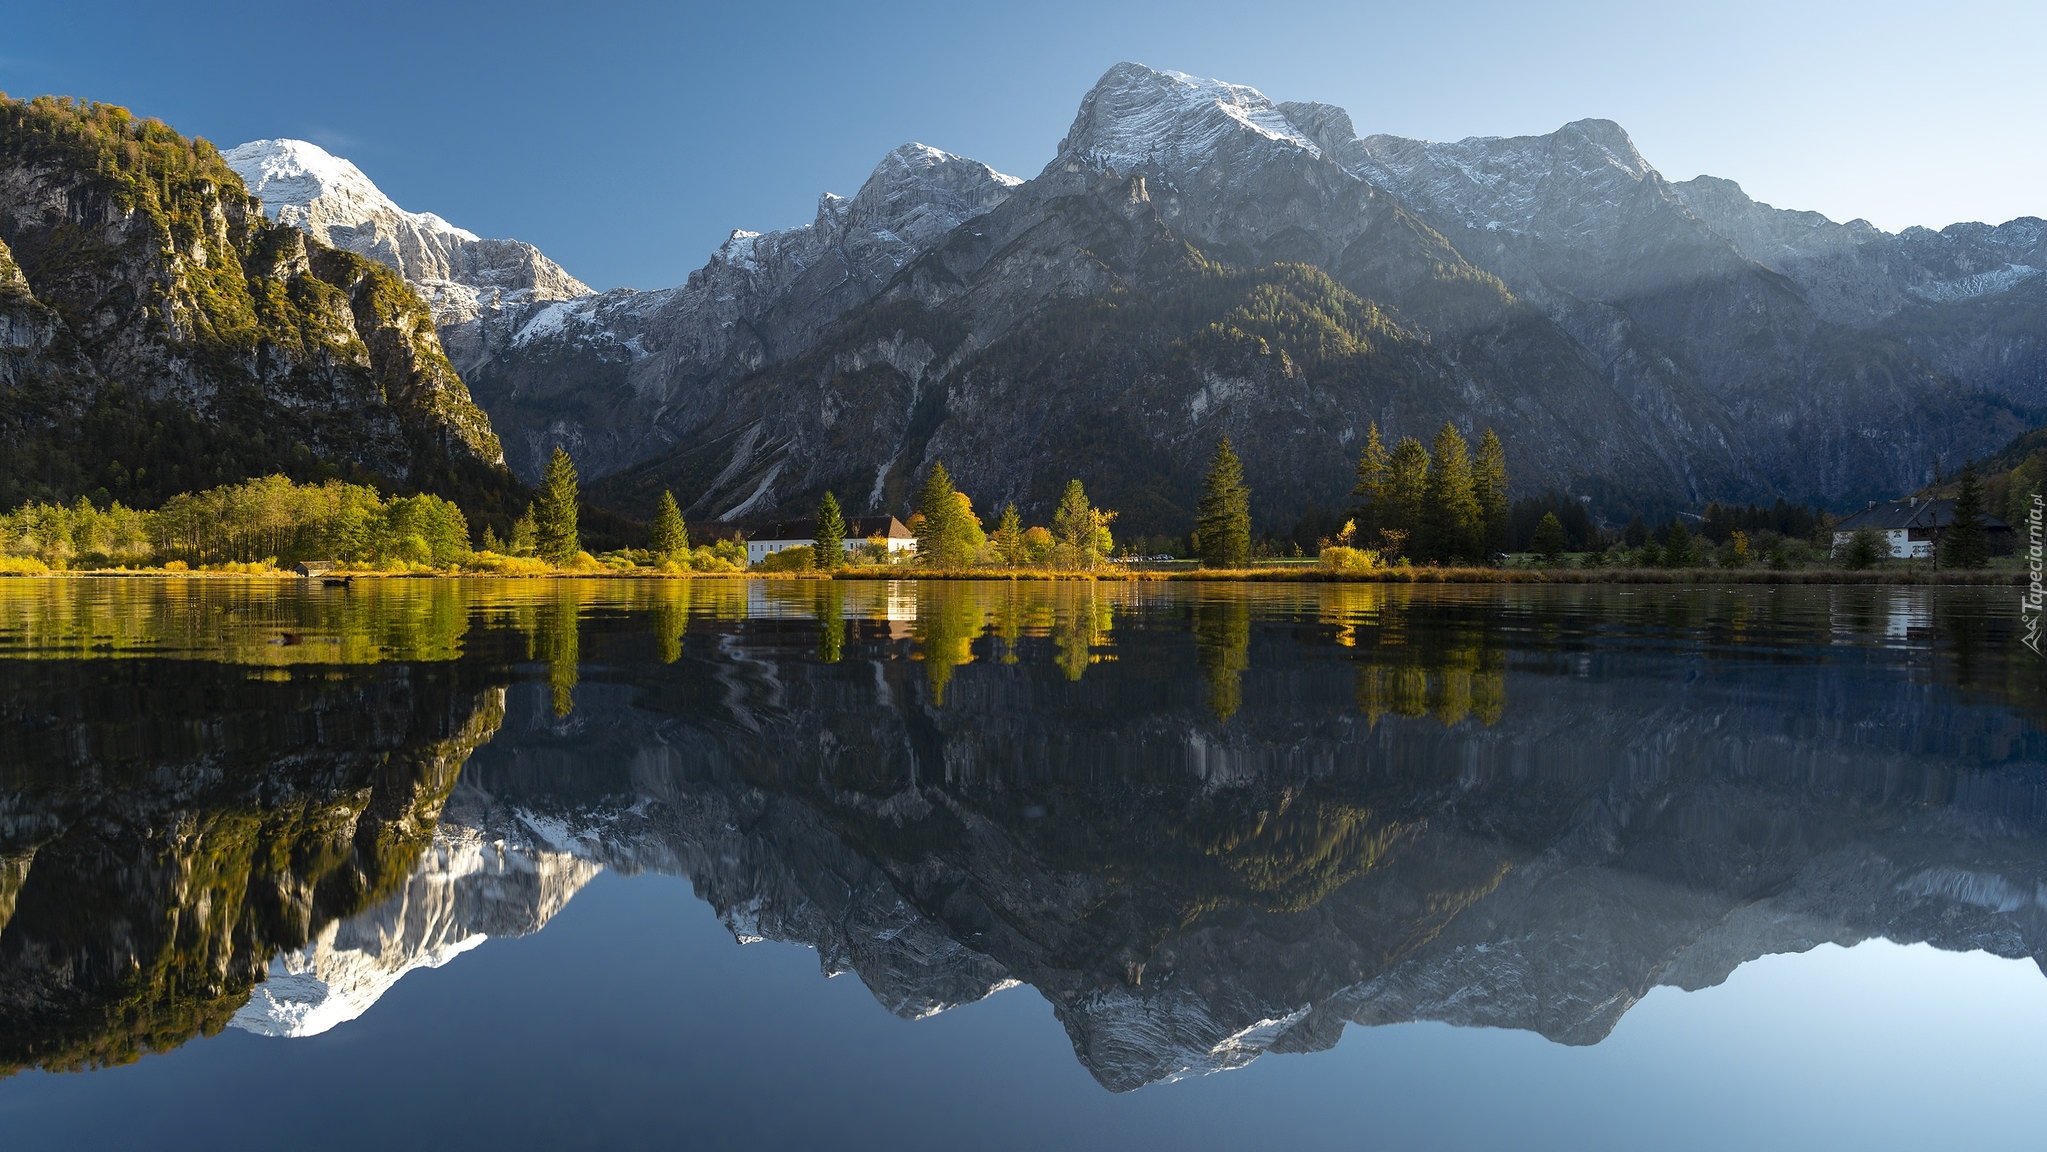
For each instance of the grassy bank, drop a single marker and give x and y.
(1290, 573)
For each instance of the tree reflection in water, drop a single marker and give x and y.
(1366, 823)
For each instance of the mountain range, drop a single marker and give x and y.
(1197, 260)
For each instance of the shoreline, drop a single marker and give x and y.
(1270, 575)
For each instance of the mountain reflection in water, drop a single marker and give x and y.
(1205, 822)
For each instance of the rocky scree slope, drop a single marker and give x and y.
(158, 334)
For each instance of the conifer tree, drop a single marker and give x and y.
(1966, 544)
(1224, 516)
(1075, 526)
(828, 547)
(523, 534)
(1373, 463)
(1009, 539)
(1866, 549)
(1402, 494)
(943, 536)
(1489, 485)
(490, 542)
(1549, 541)
(669, 539)
(1677, 547)
(1451, 521)
(555, 539)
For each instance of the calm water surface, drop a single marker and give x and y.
(867, 865)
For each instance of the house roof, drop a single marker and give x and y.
(857, 528)
(1910, 513)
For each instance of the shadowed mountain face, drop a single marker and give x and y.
(1203, 825)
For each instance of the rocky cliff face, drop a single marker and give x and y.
(161, 335)
(1111, 324)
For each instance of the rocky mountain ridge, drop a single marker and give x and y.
(1564, 291)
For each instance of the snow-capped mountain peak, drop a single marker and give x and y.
(919, 193)
(329, 198)
(1611, 143)
(1137, 117)
(305, 185)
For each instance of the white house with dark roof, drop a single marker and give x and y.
(764, 538)
(1913, 527)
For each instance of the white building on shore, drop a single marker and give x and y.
(764, 538)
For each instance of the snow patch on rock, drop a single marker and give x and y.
(1137, 117)
(1978, 285)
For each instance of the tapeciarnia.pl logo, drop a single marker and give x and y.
(2033, 602)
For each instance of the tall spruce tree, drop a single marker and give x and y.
(1009, 539)
(1966, 544)
(669, 539)
(1489, 484)
(1451, 520)
(1402, 495)
(1224, 515)
(1074, 525)
(1678, 549)
(942, 536)
(524, 534)
(1365, 496)
(828, 547)
(1549, 541)
(555, 539)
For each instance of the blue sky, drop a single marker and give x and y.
(627, 139)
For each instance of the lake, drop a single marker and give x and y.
(790, 864)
